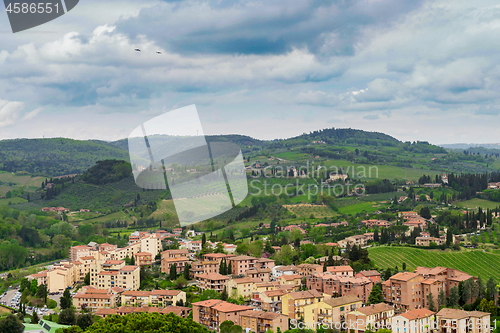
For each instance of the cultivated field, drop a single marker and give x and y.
(474, 262)
(476, 203)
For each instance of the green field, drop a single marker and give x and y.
(5, 202)
(476, 203)
(357, 208)
(21, 180)
(366, 171)
(474, 262)
(305, 210)
(110, 217)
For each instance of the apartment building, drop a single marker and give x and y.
(60, 277)
(344, 270)
(264, 263)
(211, 313)
(241, 287)
(218, 257)
(106, 247)
(309, 269)
(179, 262)
(269, 300)
(373, 275)
(371, 316)
(143, 259)
(293, 303)
(403, 291)
(262, 321)
(155, 298)
(263, 274)
(334, 285)
(114, 273)
(358, 240)
(449, 276)
(240, 264)
(294, 280)
(460, 321)
(284, 270)
(333, 310)
(76, 252)
(414, 321)
(94, 299)
(181, 253)
(214, 281)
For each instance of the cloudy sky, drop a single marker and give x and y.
(417, 70)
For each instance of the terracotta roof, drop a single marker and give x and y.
(113, 262)
(273, 293)
(212, 276)
(160, 292)
(208, 303)
(375, 308)
(177, 310)
(338, 301)
(246, 280)
(105, 311)
(230, 307)
(242, 258)
(418, 314)
(290, 277)
(404, 276)
(305, 294)
(370, 273)
(344, 268)
(143, 254)
(129, 268)
(87, 258)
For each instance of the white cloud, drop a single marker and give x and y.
(9, 112)
(32, 114)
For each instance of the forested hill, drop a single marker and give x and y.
(55, 157)
(58, 156)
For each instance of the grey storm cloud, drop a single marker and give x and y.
(326, 28)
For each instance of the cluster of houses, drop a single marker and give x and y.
(284, 295)
(275, 296)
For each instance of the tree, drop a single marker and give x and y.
(404, 266)
(425, 212)
(34, 287)
(324, 266)
(449, 237)
(34, 317)
(454, 297)
(173, 272)
(387, 274)
(223, 295)
(66, 300)
(441, 299)
(132, 261)
(203, 240)
(186, 272)
(11, 324)
(430, 302)
(67, 317)
(84, 321)
(42, 292)
(86, 279)
(376, 296)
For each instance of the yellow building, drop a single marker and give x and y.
(158, 298)
(294, 303)
(241, 287)
(333, 310)
(294, 280)
(373, 316)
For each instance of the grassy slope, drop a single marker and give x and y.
(475, 203)
(474, 262)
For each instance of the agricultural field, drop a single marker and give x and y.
(167, 213)
(474, 262)
(110, 217)
(306, 210)
(21, 180)
(16, 200)
(476, 203)
(359, 207)
(367, 171)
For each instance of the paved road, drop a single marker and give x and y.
(8, 297)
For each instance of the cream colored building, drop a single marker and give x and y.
(332, 310)
(414, 321)
(241, 287)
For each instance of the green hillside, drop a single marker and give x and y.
(55, 157)
(474, 262)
